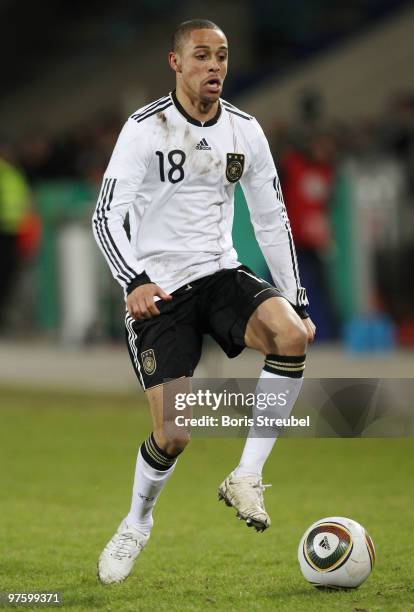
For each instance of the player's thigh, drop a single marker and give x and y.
(274, 327)
(166, 404)
(229, 301)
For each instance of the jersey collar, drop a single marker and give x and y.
(191, 119)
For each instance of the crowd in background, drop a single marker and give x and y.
(310, 156)
(307, 154)
(278, 35)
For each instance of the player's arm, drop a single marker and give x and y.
(120, 187)
(270, 221)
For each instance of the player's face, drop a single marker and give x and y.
(202, 64)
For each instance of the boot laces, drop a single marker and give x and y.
(261, 488)
(123, 545)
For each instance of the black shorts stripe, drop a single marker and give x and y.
(131, 338)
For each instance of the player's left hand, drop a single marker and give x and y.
(310, 328)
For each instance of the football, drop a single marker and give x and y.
(336, 552)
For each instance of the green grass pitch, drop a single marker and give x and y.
(66, 469)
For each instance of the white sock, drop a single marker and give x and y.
(257, 449)
(148, 484)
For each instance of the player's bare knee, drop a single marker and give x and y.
(268, 344)
(292, 339)
(289, 338)
(177, 441)
(173, 440)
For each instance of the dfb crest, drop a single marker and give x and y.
(234, 167)
(148, 361)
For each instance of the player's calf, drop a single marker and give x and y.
(278, 332)
(154, 467)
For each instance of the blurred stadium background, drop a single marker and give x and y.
(333, 86)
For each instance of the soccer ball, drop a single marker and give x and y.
(336, 552)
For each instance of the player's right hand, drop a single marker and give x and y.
(140, 302)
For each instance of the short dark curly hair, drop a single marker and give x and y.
(188, 26)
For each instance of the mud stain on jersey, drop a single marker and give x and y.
(212, 164)
(164, 128)
(163, 124)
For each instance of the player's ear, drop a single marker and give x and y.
(174, 61)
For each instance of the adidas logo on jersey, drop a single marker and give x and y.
(203, 145)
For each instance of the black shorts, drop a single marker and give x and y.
(169, 345)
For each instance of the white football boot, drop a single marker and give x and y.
(245, 494)
(118, 557)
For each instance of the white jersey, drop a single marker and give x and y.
(176, 176)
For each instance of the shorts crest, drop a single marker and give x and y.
(148, 361)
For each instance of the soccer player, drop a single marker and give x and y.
(174, 170)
